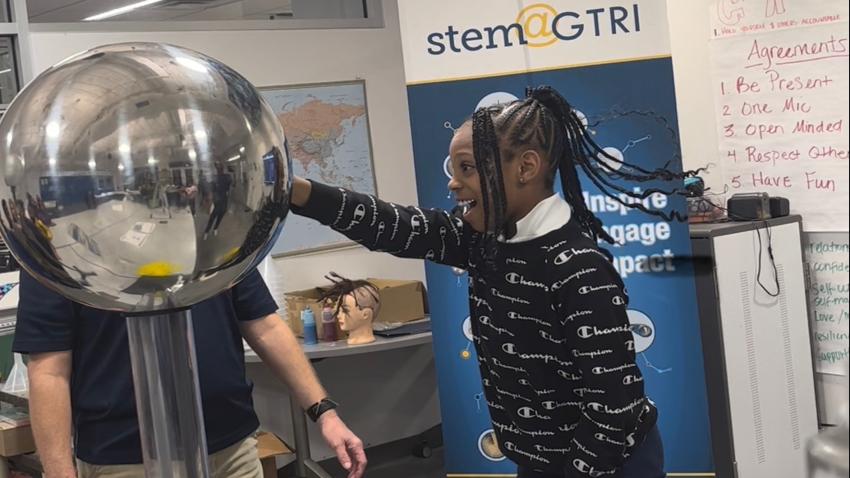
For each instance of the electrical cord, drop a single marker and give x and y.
(761, 246)
(772, 262)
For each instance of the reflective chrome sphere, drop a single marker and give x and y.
(141, 177)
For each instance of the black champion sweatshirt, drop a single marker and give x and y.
(550, 328)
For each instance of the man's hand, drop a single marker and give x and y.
(348, 448)
(275, 343)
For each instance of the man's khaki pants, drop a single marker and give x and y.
(237, 461)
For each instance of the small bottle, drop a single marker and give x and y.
(328, 323)
(309, 322)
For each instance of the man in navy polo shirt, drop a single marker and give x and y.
(80, 378)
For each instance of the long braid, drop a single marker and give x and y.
(661, 120)
(591, 151)
(570, 181)
(603, 182)
(564, 151)
(583, 152)
(485, 149)
(545, 121)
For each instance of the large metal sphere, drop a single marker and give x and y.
(141, 177)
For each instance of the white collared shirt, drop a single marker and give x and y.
(548, 215)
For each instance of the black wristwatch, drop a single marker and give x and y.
(318, 409)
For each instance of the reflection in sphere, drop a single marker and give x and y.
(141, 177)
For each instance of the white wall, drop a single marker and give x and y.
(280, 57)
(689, 33)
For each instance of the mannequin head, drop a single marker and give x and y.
(356, 313)
(357, 306)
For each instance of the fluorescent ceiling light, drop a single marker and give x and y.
(192, 65)
(53, 129)
(120, 10)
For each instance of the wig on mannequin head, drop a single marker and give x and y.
(365, 293)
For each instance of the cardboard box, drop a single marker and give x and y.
(15, 441)
(401, 301)
(268, 449)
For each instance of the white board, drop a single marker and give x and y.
(781, 102)
(827, 258)
(829, 265)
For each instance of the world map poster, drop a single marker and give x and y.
(327, 130)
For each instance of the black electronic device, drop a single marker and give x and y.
(749, 207)
(779, 207)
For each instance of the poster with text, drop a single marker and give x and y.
(611, 61)
(782, 116)
(781, 77)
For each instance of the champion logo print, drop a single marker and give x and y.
(525, 358)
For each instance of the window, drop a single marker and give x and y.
(8, 70)
(93, 11)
